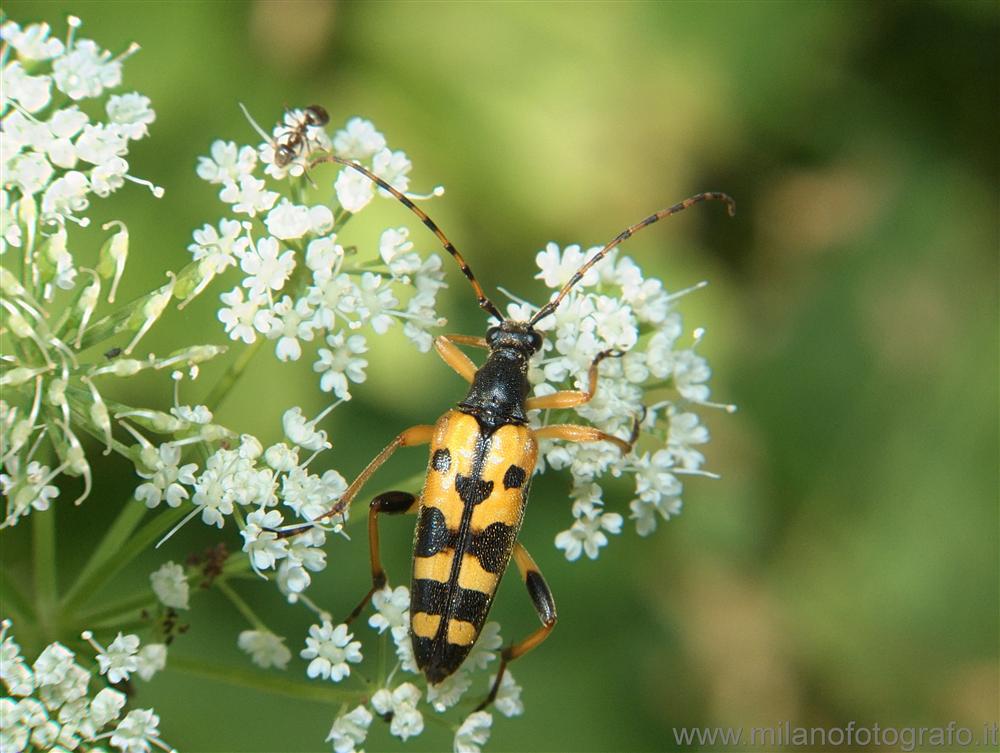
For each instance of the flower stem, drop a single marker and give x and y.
(241, 605)
(266, 683)
(233, 373)
(118, 548)
(43, 528)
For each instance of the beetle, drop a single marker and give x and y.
(482, 457)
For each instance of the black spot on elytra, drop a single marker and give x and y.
(432, 534)
(471, 490)
(514, 477)
(492, 546)
(441, 460)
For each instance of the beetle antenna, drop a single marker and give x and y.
(624, 235)
(484, 303)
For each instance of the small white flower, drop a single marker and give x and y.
(508, 701)
(219, 247)
(248, 195)
(354, 190)
(391, 608)
(32, 92)
(340, 364)
(557, 269)
(404, 648)
(119, 660)
(130, 114)
(106, 706)
(358, 140)
(167, 479)
(322, 254)
(350, 730)
(86, 70)
(260, 540)
(449, 691)
(375, 301)
(134, 733)
(32, 42)
(99, 144)
(52, 664)
(265, 648)
(402, 702)
(227, 163)
(393, 168)
(330, 649)
(170, 585)
(151, 659)
(302, 432)
(268, 269)
(288, 221)
(396, 250)
(240, 315)
(474, 732)
(293, 321)
(587, 534)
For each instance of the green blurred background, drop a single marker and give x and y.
(846, 566)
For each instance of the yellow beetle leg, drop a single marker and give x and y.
(415, 435)
(573, 398)
(389, 503)
(449, 352)
(575, 433)
(541, 597)
(475, 342)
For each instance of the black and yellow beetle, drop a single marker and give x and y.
(482, 456)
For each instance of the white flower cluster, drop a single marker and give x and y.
(661, 381)
(256, 486)
(48, 704)
(54, 156)
(401, 703)
(299, 283)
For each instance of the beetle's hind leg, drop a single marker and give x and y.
(389, 503)
(545, 606)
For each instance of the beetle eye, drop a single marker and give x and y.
(491, 335)
(536, 341)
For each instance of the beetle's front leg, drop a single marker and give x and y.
(447, 348)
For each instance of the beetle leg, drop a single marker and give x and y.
(475, 342)
(541, 597)
(388, 503)
(415, 435)
(447, 348)
(576, 433)
(573, 398)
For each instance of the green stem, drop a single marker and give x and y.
(266, 683)
(241, 605)
(125, 524)
(84, 588)
(43, 527)
(15, 604)
(233, 373)
(235, 567)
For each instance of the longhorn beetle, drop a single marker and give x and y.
(482, 456)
